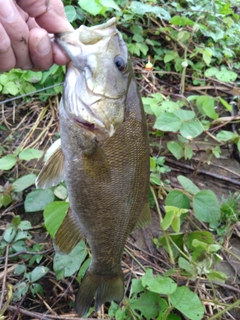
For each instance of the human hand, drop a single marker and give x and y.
(25, 41)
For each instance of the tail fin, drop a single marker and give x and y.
(106, 288)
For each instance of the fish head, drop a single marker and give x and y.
(97, 78)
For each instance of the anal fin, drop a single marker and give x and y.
(68, 234)
(145, 216)
(52, 172)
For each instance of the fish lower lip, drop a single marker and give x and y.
(86, 125)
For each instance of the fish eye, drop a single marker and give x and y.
(120, 63)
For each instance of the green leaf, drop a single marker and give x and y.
(206, 206)
(207, 56)
(148, 304)
(20, 290)
(21, 268)
(185, 115)
(7, 162)
(158, 284)
(11, 88)
(32, 76)
(182, 298)
(226, 75)
(38, 273)
(30, 153)
(211, 72)
(71, 13)
(181, 21)
(110, 4)
(176, 224)
(224, 135)
(54, 213)
(65, 265)
(168, 122)
(61, 192)
(225, 104)
(191, 129)
(178, 199)
(188, 185)
(203, 236)
(91, 6)
(167, 221)
(208, 108)
(38, 199)
(142, 8)
(10, 234)
(24, 182)
(169, 56)
(176, 148)
(25, 225)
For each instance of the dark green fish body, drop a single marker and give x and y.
(105, 154)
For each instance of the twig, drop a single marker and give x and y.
(41, 316)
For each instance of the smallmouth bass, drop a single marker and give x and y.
(104, 157)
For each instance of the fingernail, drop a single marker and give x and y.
(7, 10)
(44, 46)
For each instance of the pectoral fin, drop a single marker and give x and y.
(145, 216)
(68, 234)
(97, 165)
(53, 171)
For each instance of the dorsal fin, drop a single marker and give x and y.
(52, 172)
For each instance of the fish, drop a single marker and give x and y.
(103, 158)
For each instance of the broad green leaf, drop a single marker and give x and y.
(176, 148)
(188, 185)
(65, 265)
(7, 162)
(32, 76)
(176, 224)
(206, 206)
(188, 152)
(25, 225)
(209, 108)
(38, 273)
(36, 288)
(185, 115)
(188, 303)
(30, 153)
(24, 182)
(210, 72)
(168, 122)
(184, 264)
(226, 75)
(224, 135)
(191, 129)
(38, 199)
(20, 290)
(54, 213)
(169, 56)
(207, 56)
(83, 269)
(158, 284)
(91, 6)
(219, 276)
(136, 287)
(181, 21)
(71, 13)
(148, 304)
(5, 200)
(110, 4)
(178, 199)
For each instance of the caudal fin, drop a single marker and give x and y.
(105, 288)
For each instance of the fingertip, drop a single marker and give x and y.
(59, 57)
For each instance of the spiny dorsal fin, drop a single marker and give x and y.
(145, 216)
(68, 234)
(53, 171)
